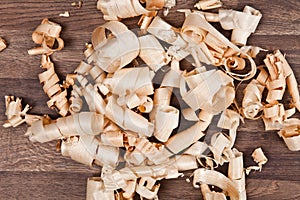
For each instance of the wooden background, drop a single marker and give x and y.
(35, 171)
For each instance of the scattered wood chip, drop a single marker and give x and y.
(77, 4)
(46, 35)
(2, 44)
(65, 14)
(208, 4)
(15, 114)
(242, 24)
(290, 133)
(260, 158)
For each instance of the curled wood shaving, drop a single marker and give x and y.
(46, 34)
(77, 4)
(219, 144)
(208, 4)
(87, 150)
(138, 82)
(116, 10)
(147, 188)
(128, 119)
(145, 20)
(2, 44)
(168, 170)
(65, 14)
(275, 115)
(129, 190)
(206, 96)
(113, 138)
(215, 178)
(281, 75)
(197, 149)
(152, 53)
(185, 138)
(211, 195)
(275, 79)
(165, 118)
(290, 134)
(230, 120)
(252, 104)
(96, 190)
(14, 113)
(211, 47)
(260, 158)
(165, 32)
(252, 51)
(276, 82)
(236, 173)
(49, 79)
(163, 113)
(189, 114)
(83, 123)
(91, 95)
(145, 150)
(116, 50)
(242, 24)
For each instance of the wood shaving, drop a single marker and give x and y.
(209, 46)
(46, 34)
(260, 158)
(111, 9)
(77, 4)
(2, 44)
(242, 23)
(210, 95)
(211, 195)
(65, 14)
(105, 47)
(215, 178)
(290, 134)
(208, 4)
(117, 118)
(58, 96)
(14, 113)
(152, 53)
(252, 101)
(45, 130)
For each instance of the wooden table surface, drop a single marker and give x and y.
(35, 171)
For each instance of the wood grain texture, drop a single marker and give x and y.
(35, 171)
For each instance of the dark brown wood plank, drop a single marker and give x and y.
(41, 185)
(45, 174)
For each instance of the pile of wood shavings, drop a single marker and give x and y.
(117, 130)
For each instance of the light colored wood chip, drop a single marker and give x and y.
(208, 4)
(242, 24)
(291, 134)
(46, 34)
(2, 44)
(65, 14)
